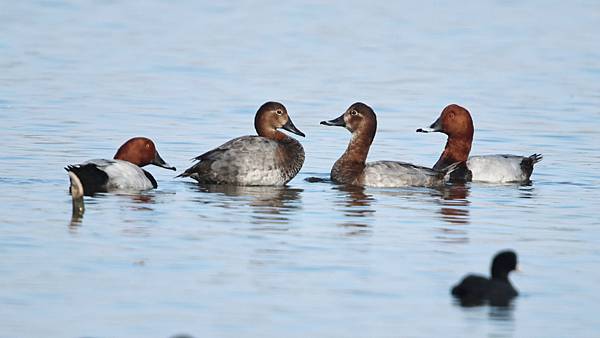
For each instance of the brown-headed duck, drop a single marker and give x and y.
(352, 168)
(122, 173)
(455, 121)
(497, 291)
(271, 158)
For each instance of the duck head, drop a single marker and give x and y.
(141, 151)
(359, 119)
(272, 116)
(454, 121)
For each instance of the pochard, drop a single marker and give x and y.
(455, 121)
(269, 158)
(123, 173)
(351, 168)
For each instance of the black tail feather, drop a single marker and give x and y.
(528, 162)
(535, 158)
(92, 179)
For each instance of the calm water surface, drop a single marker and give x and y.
(310, 259)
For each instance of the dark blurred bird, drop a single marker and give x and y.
(476, 290)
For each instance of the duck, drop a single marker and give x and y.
(497, 290)
(122, 173)
(351, 168)
(456, 122)
(270, 158)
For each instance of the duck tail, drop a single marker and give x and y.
(535, 158)
(528, 162)
(76, 186)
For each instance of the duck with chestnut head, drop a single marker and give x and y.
(351, 168)
(269, 158)
(123, 173)
(456, 122)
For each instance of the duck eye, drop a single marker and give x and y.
(279, 112)
(353, 112)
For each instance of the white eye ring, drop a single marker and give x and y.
(279, 112)
(353, 112)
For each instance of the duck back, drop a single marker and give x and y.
(398, 174)
(101, 175)
(502, 168)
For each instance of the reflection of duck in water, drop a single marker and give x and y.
(355, 206)
(78, 207)
(355, 200)
(454, 203)
(276, 197)
(270, 204)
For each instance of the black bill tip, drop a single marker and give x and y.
(289, 126)
(159, 162)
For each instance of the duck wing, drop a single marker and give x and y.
(243, 160)
(502, 168)
(397, 174)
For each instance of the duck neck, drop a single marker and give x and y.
(358, 148)
(457, 150)
(352, 162)
(272, 134)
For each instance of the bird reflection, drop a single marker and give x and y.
(78, 209)
(142, 202)
(453, 203)
(526, 190)
(502, 317)
(502, 313)
(356, 206)
(454, 211)
(270, 205)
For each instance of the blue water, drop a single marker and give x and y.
(312, 259)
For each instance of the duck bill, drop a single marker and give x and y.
(159, 162)
(338, 122)
(289, 126)
(435, 127)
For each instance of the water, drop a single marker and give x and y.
(311, 259)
